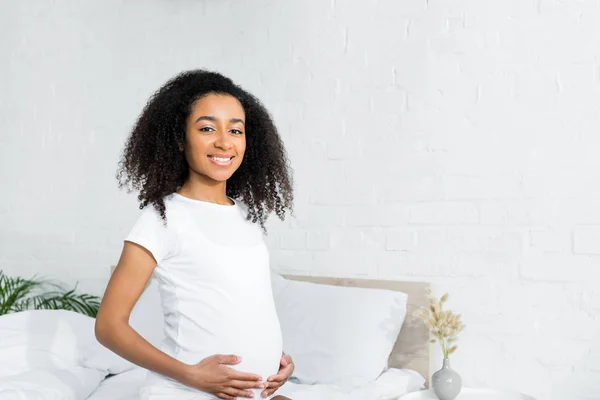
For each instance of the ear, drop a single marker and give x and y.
(180, 146)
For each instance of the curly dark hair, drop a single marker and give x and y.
(153, 164)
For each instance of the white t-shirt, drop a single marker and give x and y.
(214, 281)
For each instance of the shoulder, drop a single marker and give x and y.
(154, 232)
(171, 206)
(151, 216)
(149, 221)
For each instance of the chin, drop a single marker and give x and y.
(214, 174)
(220, 177)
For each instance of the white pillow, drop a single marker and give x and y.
(44, 339)
(146, 319)
(338, 335)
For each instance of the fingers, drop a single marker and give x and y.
(229, 359)
(243, 376)
(282, 375)
(235, 393)
(266, 393)
(275, 379)
(286, 360)
(236, 389)
(247, 384)
(234, 374)
(273, 384)
(270, 390)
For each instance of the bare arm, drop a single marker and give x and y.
(112, 329)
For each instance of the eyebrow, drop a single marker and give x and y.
(214, 119)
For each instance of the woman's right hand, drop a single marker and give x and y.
(212, 375)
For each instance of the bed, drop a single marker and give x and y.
(67, 378)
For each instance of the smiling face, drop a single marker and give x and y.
(215, 137)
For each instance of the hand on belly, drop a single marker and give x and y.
(274, 382)
(217, 375)
(265, 363)
(260, 349)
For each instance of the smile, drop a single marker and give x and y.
(221, 160)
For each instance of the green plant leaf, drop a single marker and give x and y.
(13, 290)
(19, 294)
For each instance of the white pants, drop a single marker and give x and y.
(155, 392)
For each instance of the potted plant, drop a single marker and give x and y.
(20, 294)
(444, 326)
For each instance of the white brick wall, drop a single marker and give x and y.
(448, 141)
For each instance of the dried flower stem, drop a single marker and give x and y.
(443, 325)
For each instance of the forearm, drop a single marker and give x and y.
(123, 340)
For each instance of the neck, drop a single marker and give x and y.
(201, 188)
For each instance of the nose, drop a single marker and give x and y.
(223, 141)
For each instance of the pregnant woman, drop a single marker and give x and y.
(209, 167)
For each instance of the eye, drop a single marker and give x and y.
(237, 132)
(206, 129)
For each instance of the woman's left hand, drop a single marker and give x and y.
(274, 382)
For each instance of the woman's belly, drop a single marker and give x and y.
(222, 303)
(245, 325)
(260, 351)
(256, 341)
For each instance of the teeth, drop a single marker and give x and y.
(221, 159)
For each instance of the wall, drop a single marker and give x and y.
(452, 142)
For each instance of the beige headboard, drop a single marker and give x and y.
(412, 348)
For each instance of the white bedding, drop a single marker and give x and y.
(124, 386)
(51, 384)
(390, 385)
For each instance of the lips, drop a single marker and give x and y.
(221, 159)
